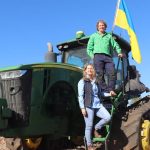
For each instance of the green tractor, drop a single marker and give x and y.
(39, 107)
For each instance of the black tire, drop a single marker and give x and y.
(126, 135)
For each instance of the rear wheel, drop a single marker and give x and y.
(134, 132)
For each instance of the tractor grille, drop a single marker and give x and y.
(16, 89)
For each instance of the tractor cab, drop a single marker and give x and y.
(74, 53)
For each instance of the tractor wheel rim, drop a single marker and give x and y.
(145, 135)
(33, 143)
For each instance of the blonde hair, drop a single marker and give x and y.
(84, 71)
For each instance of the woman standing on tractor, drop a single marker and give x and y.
(89, 94)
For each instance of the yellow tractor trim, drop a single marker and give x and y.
(145, 135)
(33, 143)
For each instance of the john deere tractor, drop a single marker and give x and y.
(39, 107)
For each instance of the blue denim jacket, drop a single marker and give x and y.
(96, 102)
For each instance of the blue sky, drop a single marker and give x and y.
(27, 25)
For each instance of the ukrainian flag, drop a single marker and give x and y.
(123, 20)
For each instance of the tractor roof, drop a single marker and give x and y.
(74, 43)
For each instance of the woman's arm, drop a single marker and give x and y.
(81, 93)
(81, 97)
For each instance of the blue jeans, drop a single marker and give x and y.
(101, 113)
(104, 65)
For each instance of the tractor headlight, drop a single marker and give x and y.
(12, 74)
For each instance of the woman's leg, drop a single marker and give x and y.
(104, 115)
(89, 125)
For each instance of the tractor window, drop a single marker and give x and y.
(77, 56)
(119, 70)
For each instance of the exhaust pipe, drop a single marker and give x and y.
(50, 56)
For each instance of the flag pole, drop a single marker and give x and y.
(117, 6)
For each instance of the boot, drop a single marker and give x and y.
(96, 134)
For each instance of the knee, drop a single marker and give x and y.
(108, 119)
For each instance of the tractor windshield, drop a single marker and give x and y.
(77, 56)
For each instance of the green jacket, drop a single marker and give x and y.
(102, 44)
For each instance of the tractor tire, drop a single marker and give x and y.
(132, 133)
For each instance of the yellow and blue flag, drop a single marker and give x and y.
(123, 20)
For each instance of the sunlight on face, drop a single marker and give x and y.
(89, 70)
(101, 27)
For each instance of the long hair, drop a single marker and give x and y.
(84, 71)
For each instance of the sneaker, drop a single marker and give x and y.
(96, 134)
